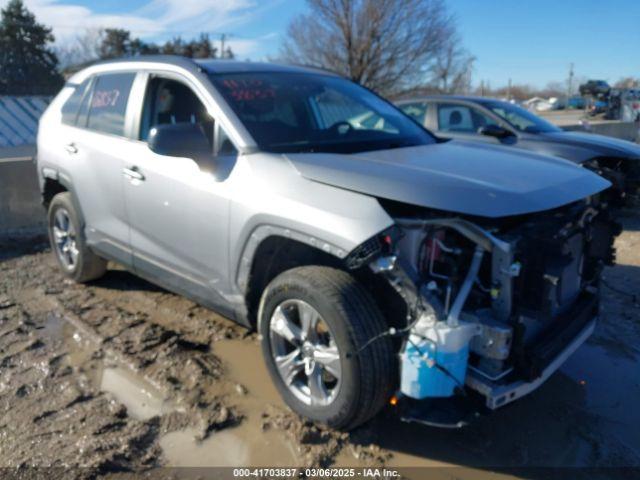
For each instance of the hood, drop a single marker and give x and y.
(457, 177)
(599, 144)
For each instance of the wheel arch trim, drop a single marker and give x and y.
(64, 180)
(265, 231)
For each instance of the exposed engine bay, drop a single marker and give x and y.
(493, 305)
(624, 175)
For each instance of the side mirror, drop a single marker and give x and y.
(183, 140)
(493, 130)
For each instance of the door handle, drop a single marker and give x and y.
(133, 173)
(71, 148)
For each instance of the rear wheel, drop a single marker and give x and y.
(68, 243)
(312, 322)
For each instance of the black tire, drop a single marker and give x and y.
(87, 266)
(368, 378)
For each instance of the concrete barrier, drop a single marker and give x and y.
(21, 212)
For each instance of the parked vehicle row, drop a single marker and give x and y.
(497, 122)
(377, 261)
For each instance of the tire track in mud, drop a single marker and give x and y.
(35, 353)
(50, 414)
(143, 319)
(163, 338)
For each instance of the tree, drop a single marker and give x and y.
(198, 48)
(387, 45)
(27, 64)
(81, 50)
(116, 42)
(138, 47)
(627, 82)
(553, 89)
(173, 47)
(119, 43)
(452, 68)
(517, 92)
(202, 47)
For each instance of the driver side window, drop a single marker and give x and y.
(513, 118)
(168, 101)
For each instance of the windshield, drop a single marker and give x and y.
(302, 112)
(521, 119)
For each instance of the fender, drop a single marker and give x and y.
(332, 219)
(263, 232)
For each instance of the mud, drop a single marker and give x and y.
(121, 376)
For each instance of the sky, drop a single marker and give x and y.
(529, 41)
(535, 41)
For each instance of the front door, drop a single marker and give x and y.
(178, 214)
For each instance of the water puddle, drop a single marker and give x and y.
(142, 400)
(54, 328)
(247, 386)
(241, 446)
(247, 444)
(243, 359)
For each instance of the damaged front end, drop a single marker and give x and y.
(624, 175)
(493, 306)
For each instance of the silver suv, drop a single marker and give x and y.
(378, 262)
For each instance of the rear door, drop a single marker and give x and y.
(95, 142)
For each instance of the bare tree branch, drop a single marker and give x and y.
(452, 68)
(84, 48)
(387, 45)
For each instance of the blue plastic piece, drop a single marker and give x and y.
(421, 379)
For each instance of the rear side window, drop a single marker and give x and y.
(109, 103)
(461, 118)
(71, 106)
(416, 110)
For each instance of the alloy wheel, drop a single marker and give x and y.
(64, 237)
(305, 352)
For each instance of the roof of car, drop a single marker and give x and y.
(218, 66)
(465, 98)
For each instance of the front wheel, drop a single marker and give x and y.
(312, 322)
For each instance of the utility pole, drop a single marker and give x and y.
(223, 36)
(570, 83)
(509, 91)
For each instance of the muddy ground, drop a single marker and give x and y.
(121, 376)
